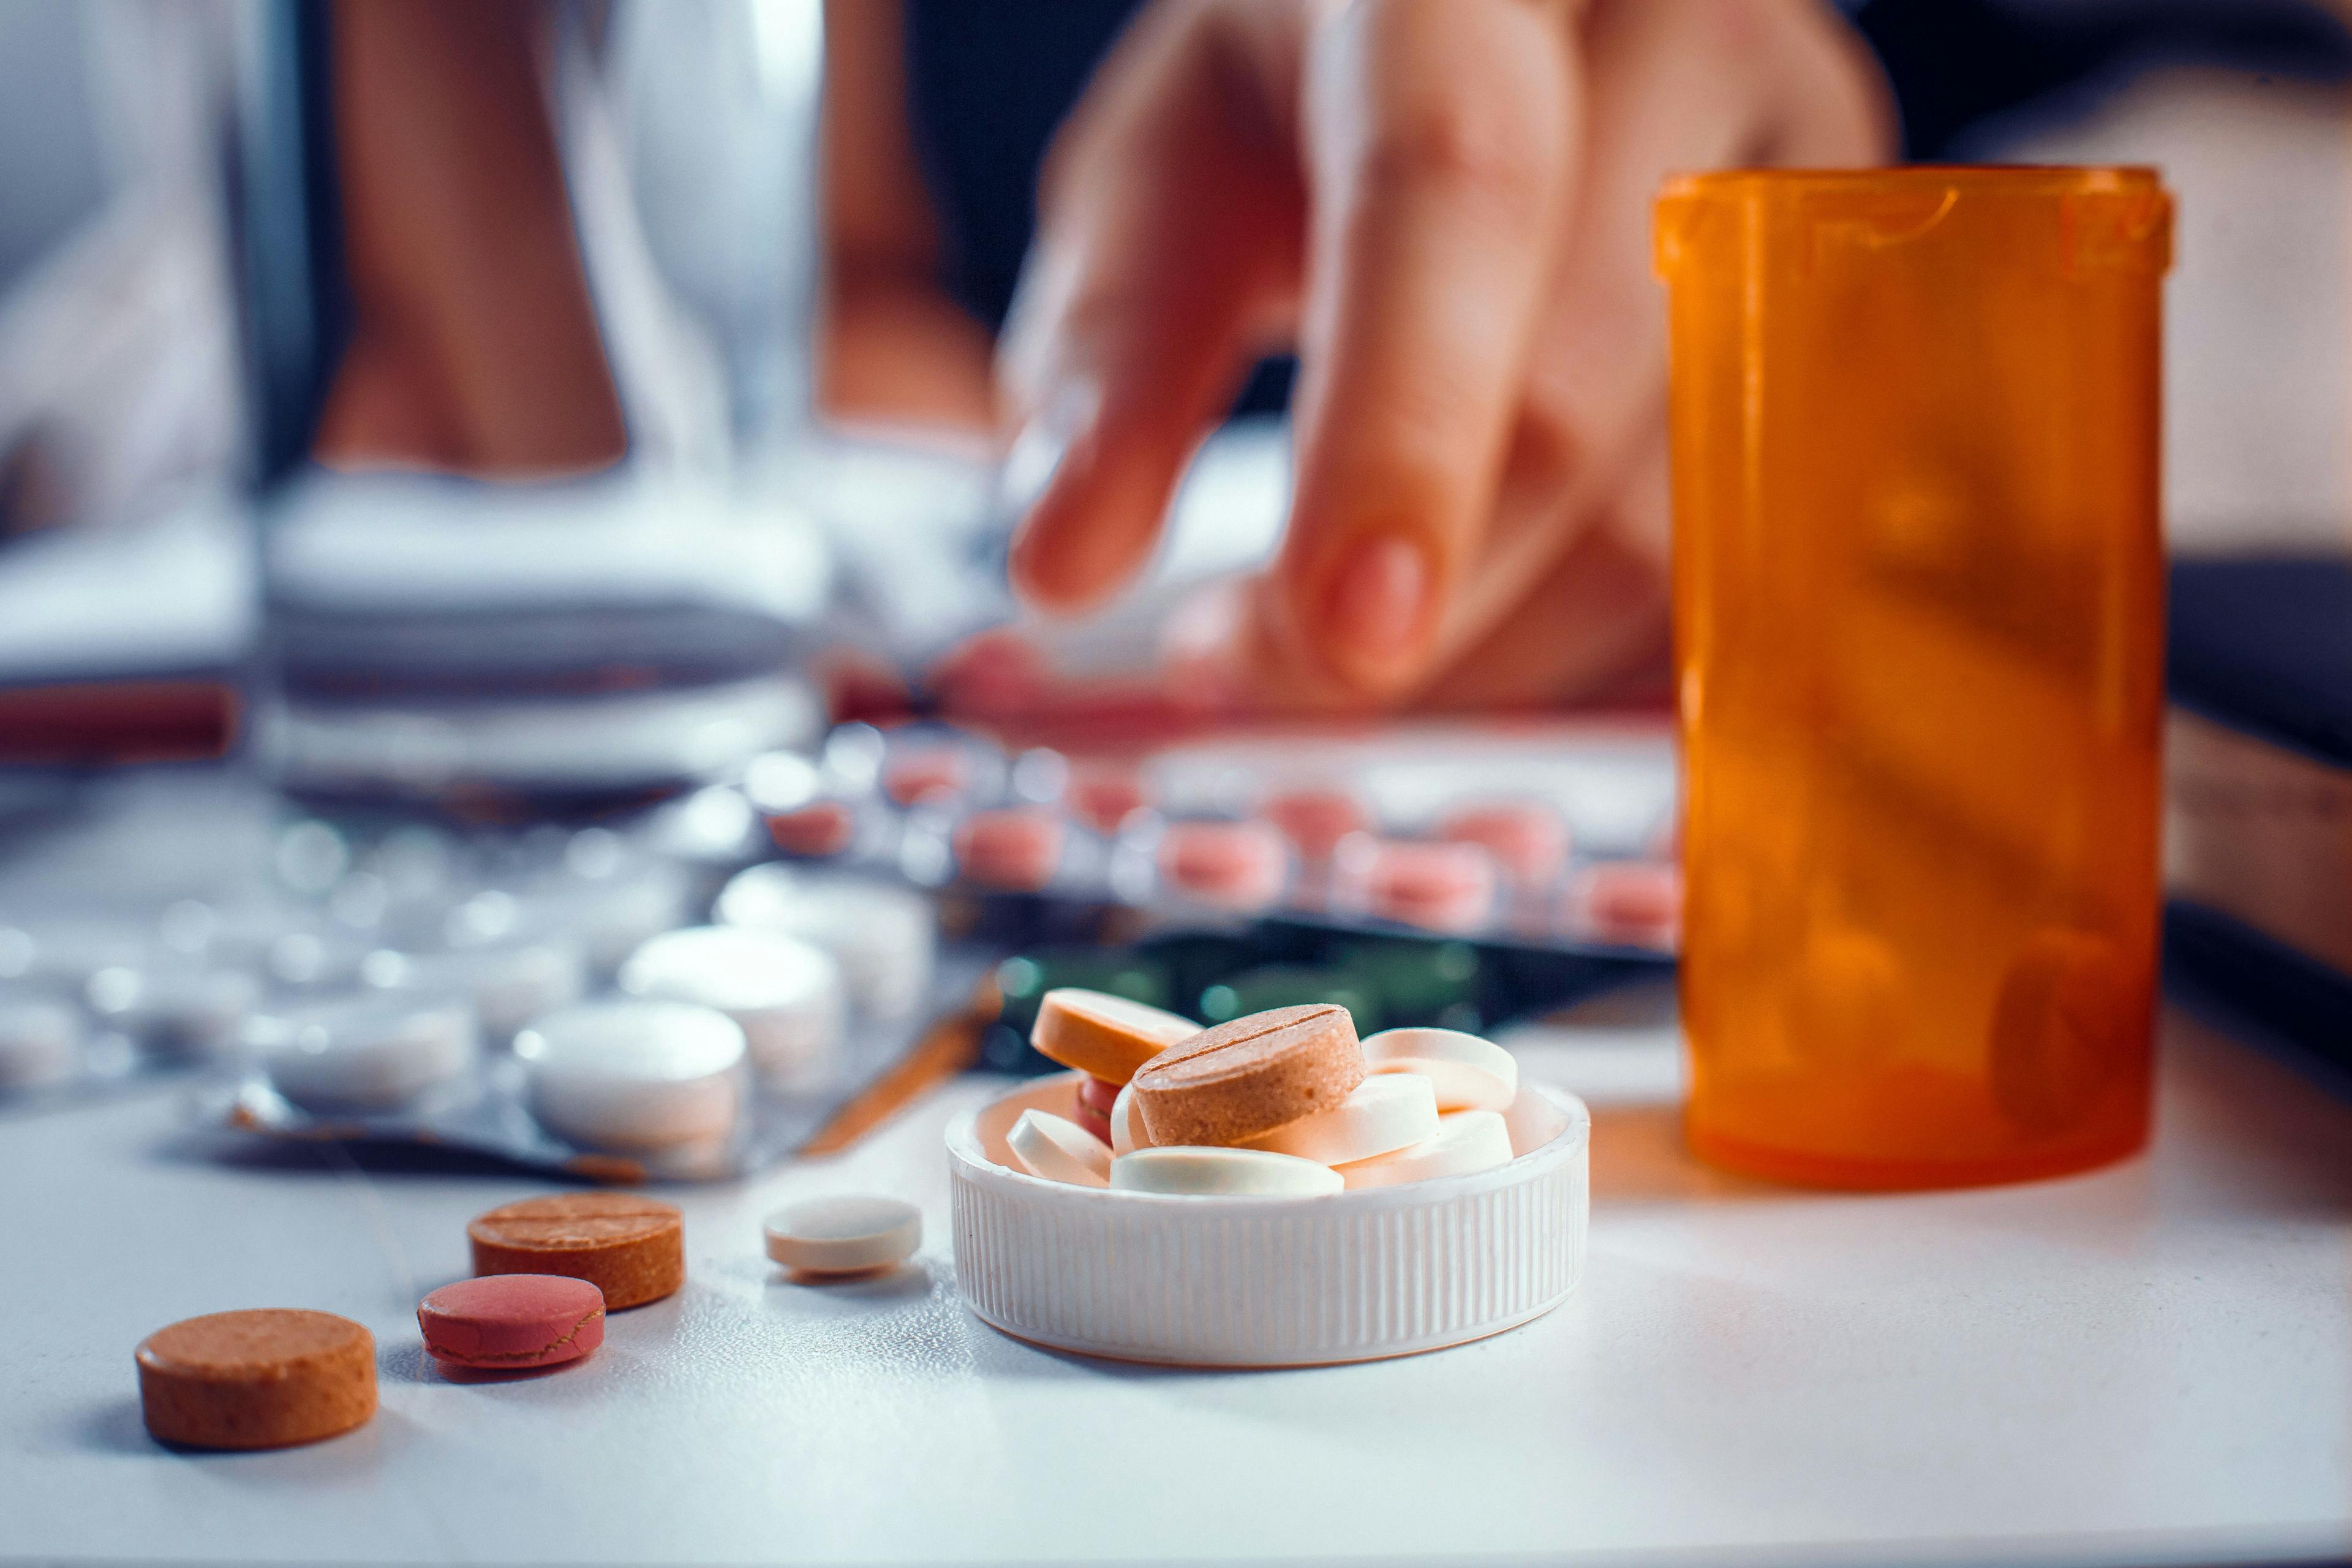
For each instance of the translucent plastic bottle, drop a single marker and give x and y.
(1918, 589)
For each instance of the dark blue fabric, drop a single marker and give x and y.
(1957, 64)
(2264, 644)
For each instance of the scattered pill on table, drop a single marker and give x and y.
(1103, 1035)
(1059, 1150)
(513, 1321)
(1246, 1078)
(1384, 1113)
(1467, 1072)
(848, 1232)
(1226, 1173)
(631, 1249)
(264, 1379)
(1467, 1142)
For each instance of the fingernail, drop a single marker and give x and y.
(1037, 452)
(1377, 605)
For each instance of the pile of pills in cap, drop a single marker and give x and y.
(1287, 1103)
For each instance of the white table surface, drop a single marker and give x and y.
(2149, 1363)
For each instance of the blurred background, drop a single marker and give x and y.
(698, 455)
(175, 305)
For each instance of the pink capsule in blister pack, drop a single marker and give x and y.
(1544, 835)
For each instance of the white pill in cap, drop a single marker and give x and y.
(367, 1052)
(1226, 1173)
(1059, 1150)
(1467, 1142)
(1126, 1132)
(38, 1041)
(848, 1232)
(1468, 1073)
(787, 994)
(634, 1074)
(1385, 1112)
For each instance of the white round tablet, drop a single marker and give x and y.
(1468, 1073)
(1467, 1142)
(174, 1010)
(1385, 1112)
(1059, 1150)
(885, 936)
(364, 1052)
(634, 1074)
(509, 982)
(69, 951)
(848, 1232)
(613, 914)
(1127, 1133)
(1226, 1173)
(38, 1043)
(787, 994)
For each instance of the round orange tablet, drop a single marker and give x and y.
(631, 1249)
(264, 1379)
(1243, 1079)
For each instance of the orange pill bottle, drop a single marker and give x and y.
(1918, 598)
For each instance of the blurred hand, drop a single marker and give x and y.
(1445, 205)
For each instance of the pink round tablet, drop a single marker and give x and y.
(1638, 902)
(823, 828)
(1314, 820)
(513, 1321)
(1097, 1094)
(1016, 847)
(1233, 865)
(925, 772)
(1527, 838)
(1093, 1120)
(1105, 794)
(1440, 886)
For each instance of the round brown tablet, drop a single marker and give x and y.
(1243, 1079)
(631, 1249)
(266, 1379)
(1106, 1035)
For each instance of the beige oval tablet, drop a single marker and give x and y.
(848, 1232)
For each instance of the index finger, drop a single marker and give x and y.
(1440, 142)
